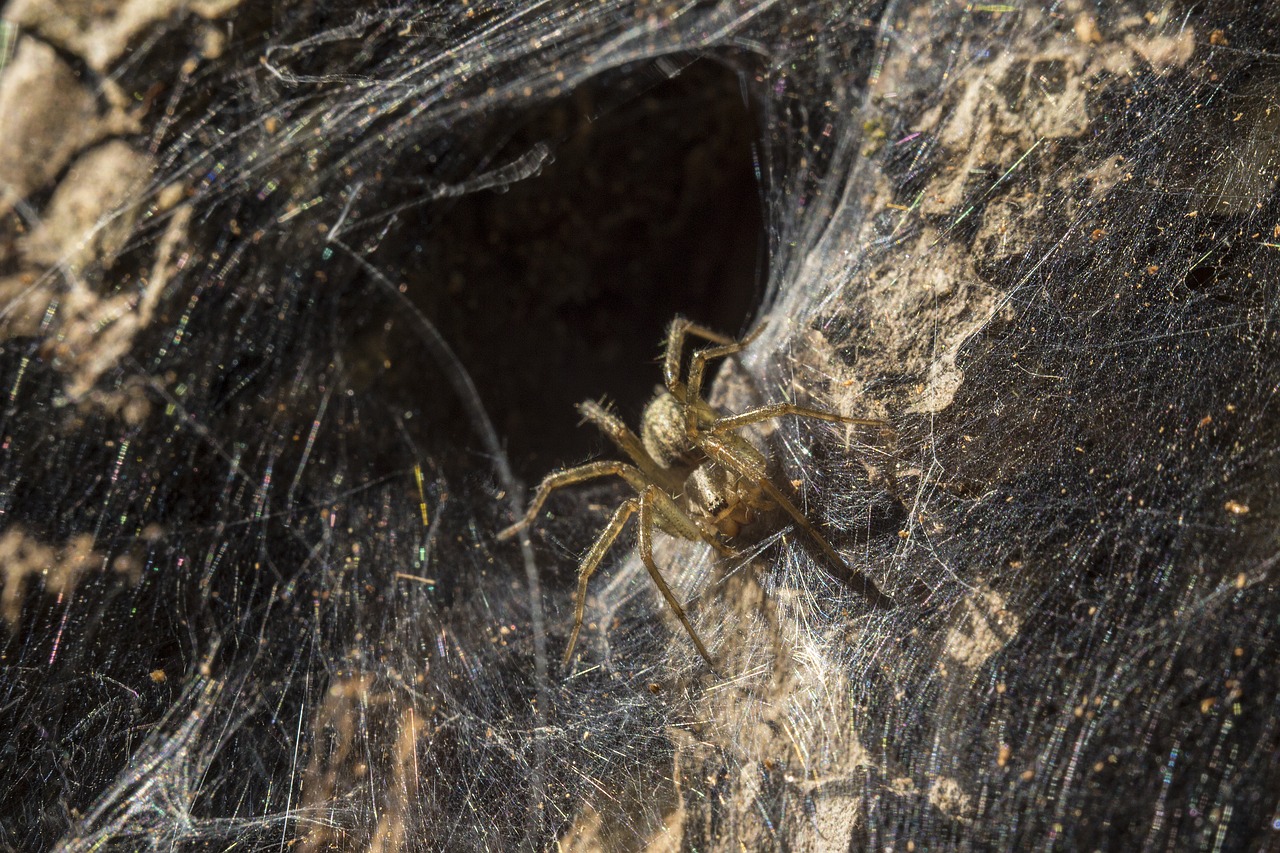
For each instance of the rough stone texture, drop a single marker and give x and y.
(90, 215)
(100, 31)
(974, 716)
(46, 116)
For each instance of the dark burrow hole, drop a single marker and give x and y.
(559, 288)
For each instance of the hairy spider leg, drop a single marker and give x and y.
(697, 367)
(646, 506)
(652, 494)
(778, 410)
(676, 332)
(589, 564)
(680, 522)
(629, 443)
(652, 500)
(722, 450)
(560, 479)
(674, 520)
(671, 481)
(858, 581)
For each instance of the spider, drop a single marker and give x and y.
(694, 477)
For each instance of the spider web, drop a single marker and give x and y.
(296, 301)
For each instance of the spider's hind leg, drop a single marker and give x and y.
(698, 362)
(728, 450)
(778, 410)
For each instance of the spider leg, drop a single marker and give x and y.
(860, 583)
(698, 362)
(647, 499)
(676, 520)
(676, 332)
(778, 410)
(560, 479)
(652, 500)
(591, 561)
(723, 452)
(697, 367)
(629, 443)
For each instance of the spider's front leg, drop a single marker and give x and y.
(858, 581)
(679, 329)
(698, 366)
(652, 504)
(560, 479)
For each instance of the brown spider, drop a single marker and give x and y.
(694, 476)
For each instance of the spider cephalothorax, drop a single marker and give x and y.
(727, 499)
(694, 476)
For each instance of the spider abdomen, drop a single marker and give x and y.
(662, 430)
